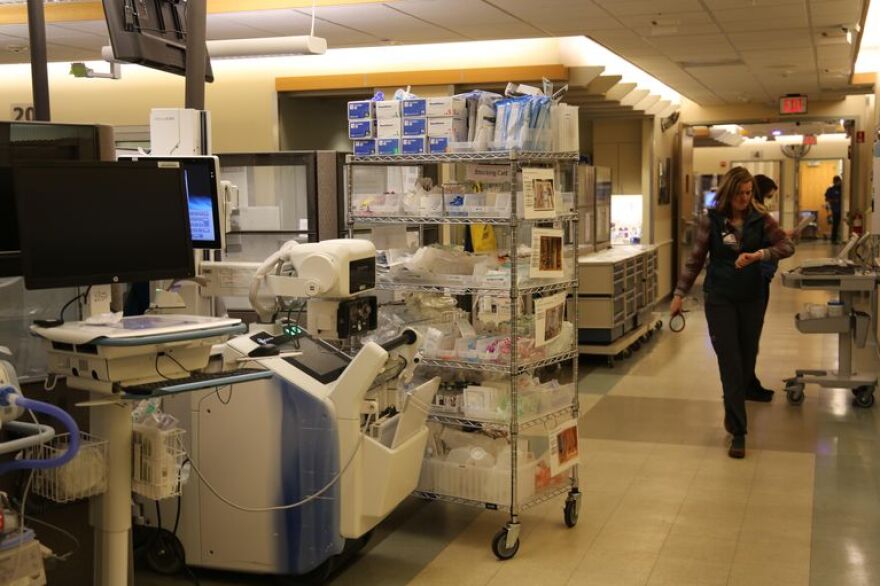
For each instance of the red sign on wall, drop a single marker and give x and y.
(810, 139)
(793, 105)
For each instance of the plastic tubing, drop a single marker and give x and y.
(9, 395)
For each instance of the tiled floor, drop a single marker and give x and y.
(662, 502)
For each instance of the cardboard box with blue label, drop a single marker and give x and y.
(415, 107)
(414, 145)
(360, 129)
(364, 147)
(438, 144)
(360, 110)
(415, 126)
(388, 146)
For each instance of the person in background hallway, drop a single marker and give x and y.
(737, 234)
(833, 196)
(766, 188)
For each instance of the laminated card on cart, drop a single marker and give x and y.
(546, 261)
(539, 193)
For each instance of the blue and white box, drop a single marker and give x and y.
(388, 109)
(360, 129)
(361, 110)
(389, 128)
(415, 107)
(415, 126)
(438, 144)
(388, 146)
(364, 147)
(446, 107)
(414, 145)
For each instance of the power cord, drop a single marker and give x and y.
(289, 506)
(69, 303)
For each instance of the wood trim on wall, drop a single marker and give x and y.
(436, 77)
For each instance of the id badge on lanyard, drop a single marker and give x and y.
(730, 240)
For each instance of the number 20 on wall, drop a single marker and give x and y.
(21, 112)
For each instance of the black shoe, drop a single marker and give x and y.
(761, 394)
(737, 447)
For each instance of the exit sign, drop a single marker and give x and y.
(793, 105)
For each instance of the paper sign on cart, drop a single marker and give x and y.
(549, 315)
(539, 193)
(564, 447)
(546, 261)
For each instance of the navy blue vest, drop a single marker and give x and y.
(723, 280)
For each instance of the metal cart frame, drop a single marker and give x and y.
(847, 328)
(505, 543)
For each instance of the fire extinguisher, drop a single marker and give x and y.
(856, 224)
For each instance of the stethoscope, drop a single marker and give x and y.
(677, 322)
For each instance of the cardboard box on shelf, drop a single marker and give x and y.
(364, 147)
(415, 107)
(360, 129)
(446, 106)
(415, 126)
(389, 128)
(414, 145)
(388, 146)
(455, 129)
(361, 110)
(388, 109)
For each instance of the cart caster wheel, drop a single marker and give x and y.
(571, 513)
(795, 394)
(636, 346)
(864, 398)
(644, 339)
(499, 546)
(627, 353)
(165, 554)
(659, 325)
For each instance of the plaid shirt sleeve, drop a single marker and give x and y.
(780, 245)
(696, 259)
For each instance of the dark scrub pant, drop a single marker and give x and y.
(735, 329)
(755, 383)
(835, 225)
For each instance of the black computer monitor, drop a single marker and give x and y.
(152, 34)
(99, 223)
(22, 142)
(201, 181)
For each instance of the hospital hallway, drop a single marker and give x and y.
(662, 502)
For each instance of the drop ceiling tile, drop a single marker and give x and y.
(514, 30)
(723, 76)
(774, 12)
(692, 42)
(836, 12)
(784, 39)
(726, 4)
(674, 19)
(453, 13)
(292, 22)
(565, 27)
(381, 21)
(558, 15)
(661, 32)
(768, 25)
(634, 7)
(232, 26)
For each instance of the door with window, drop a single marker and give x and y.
(815, 177)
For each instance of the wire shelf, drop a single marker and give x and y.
(506, 221)
(539, 498)
(496, 425)
(479, 157)
(458, 290)
(83, 477)
(501, 367)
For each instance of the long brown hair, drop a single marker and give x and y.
(729, 188)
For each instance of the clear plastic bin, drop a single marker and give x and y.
(83, 477)
(487, 485)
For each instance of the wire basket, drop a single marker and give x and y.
(157, 455)
(83, 477)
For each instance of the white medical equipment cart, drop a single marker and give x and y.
(523, 493)
(851, 326)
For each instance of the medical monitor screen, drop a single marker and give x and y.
(200, 181)
(99, 223)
